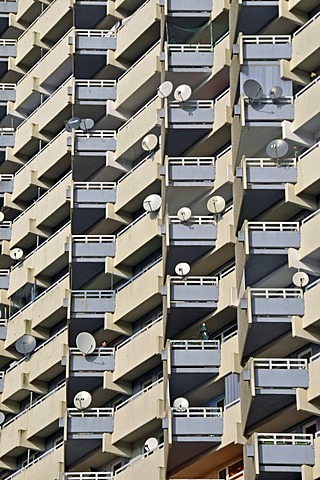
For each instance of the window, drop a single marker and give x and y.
(232, 471)
(307, 354)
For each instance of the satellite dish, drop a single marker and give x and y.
(182, 93)
(1, 216)
(184, 214)
(82, 400)
(86, 343)
(26, 344)
(152, 203)
(275, 93)
(216, 204)
(2, 418)
(300, 279)
(86, 124)
(180, 404)
(252, 89)
(149, 142)
(182, 269)
(150, 444)
(277, 148)
(165, 89)
(16, 253)
(72, 124)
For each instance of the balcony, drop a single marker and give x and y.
(93, 194)
(131, 134)
(1, 381)
(6, 183)
(278, 455)
(35, 421)
(308, 180)
(88, 476)
(91, 303)
(187, 122)
(8, 48)
(141, 466)
(140, 81)
(266, 315)
(309, 248)
(189, 58)
(261, 184)
(7, 138)
(188, 300)
(305, 54)
(24, 377)
(187, 241)
(265, 47)
(141, 31)
(3, 329)
(307, 106)
(192, 432)
(192, 363)
(5, 230)
(143, 349)
(7, 92)
(47, 465)
(138, 296)
(266, 245)
(190, 171)
(9, 6)
(89, 424)
(95, 42)
(4, 279)
(100, 360)
(45, 311)
(132, 419)
(266, 382)
(94, 143)
(92, 248)
(94, 92)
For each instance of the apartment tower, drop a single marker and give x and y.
(160, 239)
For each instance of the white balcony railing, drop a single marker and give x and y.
(89, 294)
(203, 412)
(190, 48)
(283, 363)
(101, 352)
(266, 39)
(274, 226)
(305, 25)
(197, 220)
(95, 33)
(194, 280)
(88, 239)
(96, 134)
(268, 163)
(277, 292)
(191, 161)
(297, 439)
(88, 475)
(91, 412)
(195, 344)
(94, 185)
(95, 83)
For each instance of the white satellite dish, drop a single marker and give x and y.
(182, 269)
(86, 124)
(72, 124)
(82, 400)
(86, 343)
(275, 93)
(1, 217)
(2, 418)
(180, 404)
(300, 279)
(184, 214)
(216, 204)
(26, 344)
(165, 89)
(150, 444)
(16, 253)
(149, 142)
(152, 203)
(277, 148)
(182, 93)
(252, 89)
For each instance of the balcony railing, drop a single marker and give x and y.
(305, 25)
(138, 458)
(138, 394)
(48, 452)
(96, 134)
(274, 226)
(283, 363)
(194, 280)
(101, 352)
(95, 83)
(197, 220)
(266, 39)
(88, 239)
(285, 439)
(101, 412)
(277, 292)
(88, 475)
(195, 344)
(316, 80)
(267, 162)
(203, 412)
(95, 33)
(7, 86)
(190, 48)
(191, 161)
